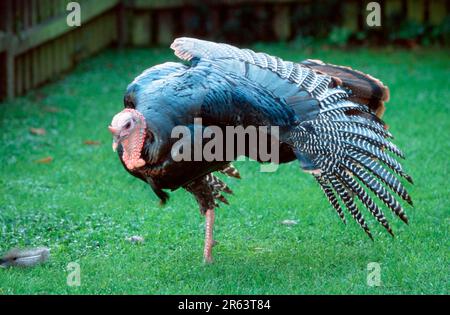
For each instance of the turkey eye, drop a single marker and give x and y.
(151, 138)
(128, 125)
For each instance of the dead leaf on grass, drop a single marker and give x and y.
(38, 131)
(51, 109)
(45, 160)
(91, 142)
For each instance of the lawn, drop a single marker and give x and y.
(83, 204)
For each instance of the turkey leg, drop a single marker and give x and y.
(209, 240)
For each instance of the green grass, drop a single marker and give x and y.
(83, 205)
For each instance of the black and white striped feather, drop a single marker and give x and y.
(350, 154)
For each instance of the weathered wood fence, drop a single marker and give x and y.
(158, 22)
(37, 45)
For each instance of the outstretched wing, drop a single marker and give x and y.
(147, 77)
(339, 137)
(347, 151)
(282, 78)
(285, 78)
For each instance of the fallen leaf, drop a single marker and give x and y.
(38, 131)
(289, 222)
(135, 239)
(91, 142)
(51, 109)
(45, 160)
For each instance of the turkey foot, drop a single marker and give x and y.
(209, 241)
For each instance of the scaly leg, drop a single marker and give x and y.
(209, 240)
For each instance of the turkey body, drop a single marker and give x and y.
(328, 118)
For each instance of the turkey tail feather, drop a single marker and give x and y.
(329, 193)
(347, 198)
(346, 155)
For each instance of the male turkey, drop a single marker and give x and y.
(329, 119)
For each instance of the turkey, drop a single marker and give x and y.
(328, 117)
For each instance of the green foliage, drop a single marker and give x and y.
(422, 33)
(339, 36)
(408, 30)
(440, 33)
(84, 204)
(397, 32)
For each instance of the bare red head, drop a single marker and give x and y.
(128, 129)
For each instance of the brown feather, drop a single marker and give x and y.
(365, 88)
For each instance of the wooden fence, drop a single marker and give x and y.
(159, 21)
(37, 45)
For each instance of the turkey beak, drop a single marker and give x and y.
(114, 145)
(115, 134)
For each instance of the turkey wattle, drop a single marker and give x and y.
(329, 117)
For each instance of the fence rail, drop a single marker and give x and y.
(37, 45)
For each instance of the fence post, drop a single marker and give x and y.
(165, 27)
(351, 11)
(122, 25)
(416, 10)
(9, 51)
(437, 11)
(282, 22)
